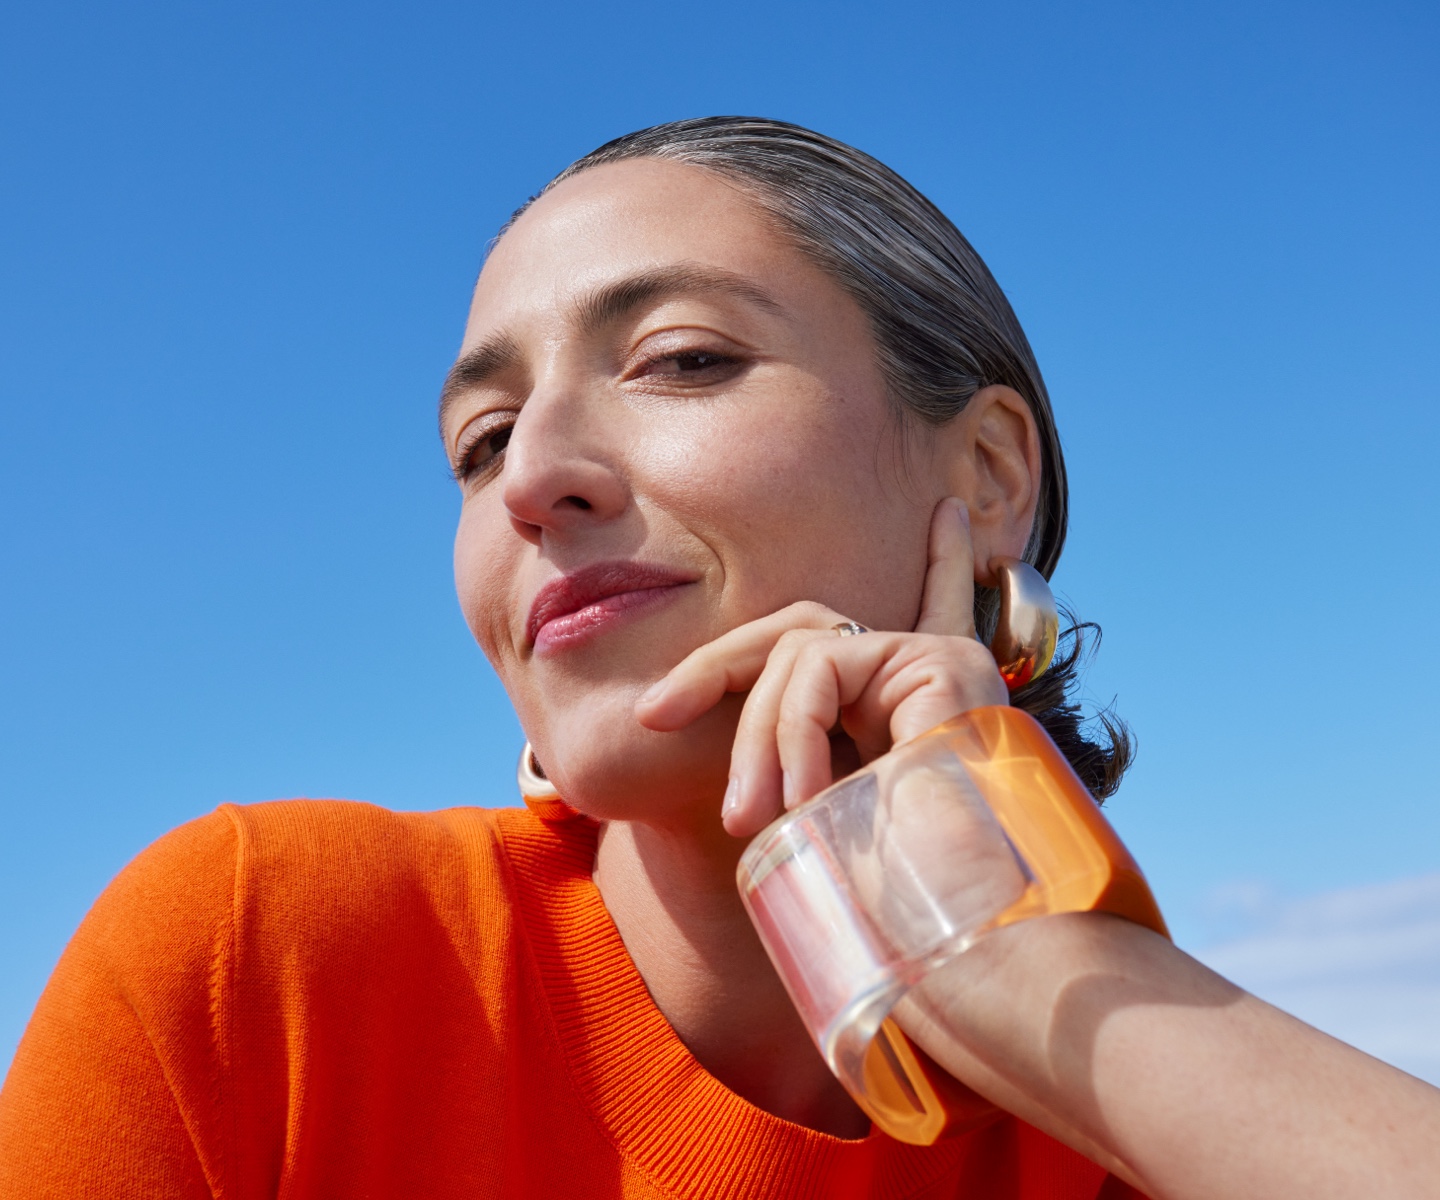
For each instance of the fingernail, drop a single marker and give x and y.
(653, 691)
(964, 510)
(732, 798)
(788, 788)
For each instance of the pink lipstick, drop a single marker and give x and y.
(573, 607)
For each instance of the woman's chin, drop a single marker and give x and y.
(621, 771)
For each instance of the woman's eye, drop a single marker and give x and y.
(481, 453)
(696, 364)
(700, 360)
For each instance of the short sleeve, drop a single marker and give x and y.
(114, 1090)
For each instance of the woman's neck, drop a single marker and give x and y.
(672, 895)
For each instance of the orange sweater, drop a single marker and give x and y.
(312, 999)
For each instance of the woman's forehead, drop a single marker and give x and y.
(622, 219)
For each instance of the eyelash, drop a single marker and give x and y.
(717, 359)
(466, 469)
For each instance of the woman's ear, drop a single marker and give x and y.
(990, 458)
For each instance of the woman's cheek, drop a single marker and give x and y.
(485, 576)
(750, 461)
(783, 491)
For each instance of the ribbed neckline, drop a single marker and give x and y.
(679, 1125)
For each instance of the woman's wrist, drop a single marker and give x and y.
(1018, 1017)
(1110, 1038)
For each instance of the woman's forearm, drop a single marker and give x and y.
(1113, 1040)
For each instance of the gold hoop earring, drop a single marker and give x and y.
(1028, 625)
(540, 795)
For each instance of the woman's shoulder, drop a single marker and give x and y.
(240, 951)
(355, 851)
(294, 872)
(258, 905)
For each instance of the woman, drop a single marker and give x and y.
(725, 385)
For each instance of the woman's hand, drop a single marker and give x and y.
(882, 687)
(1095, 1030)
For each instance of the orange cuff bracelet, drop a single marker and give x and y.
(897, 869)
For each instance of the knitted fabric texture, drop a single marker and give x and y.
(322, 998)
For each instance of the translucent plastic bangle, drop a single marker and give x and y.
(897, 869)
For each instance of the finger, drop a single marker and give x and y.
(827, 680)
(731, 663)
(890, 687)
(781, 752)
(814, 695)
(756, 793)
(929, 683)
(948, 605)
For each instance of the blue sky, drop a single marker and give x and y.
(236, 243)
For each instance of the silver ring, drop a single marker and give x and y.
(849, 629)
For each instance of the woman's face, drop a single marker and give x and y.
(665, 422)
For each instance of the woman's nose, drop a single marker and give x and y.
(561, 473)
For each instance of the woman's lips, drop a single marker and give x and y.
(575, 606)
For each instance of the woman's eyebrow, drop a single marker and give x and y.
(475, 368)
(614, 301)
(603, 306)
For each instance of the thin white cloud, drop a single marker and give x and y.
(1362, 964)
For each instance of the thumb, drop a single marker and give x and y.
(948, 604)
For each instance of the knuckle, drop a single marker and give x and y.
(795, 640)
(792, 725)
(810, 611)
(814, 647)
(953, 662)
(963, 651)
